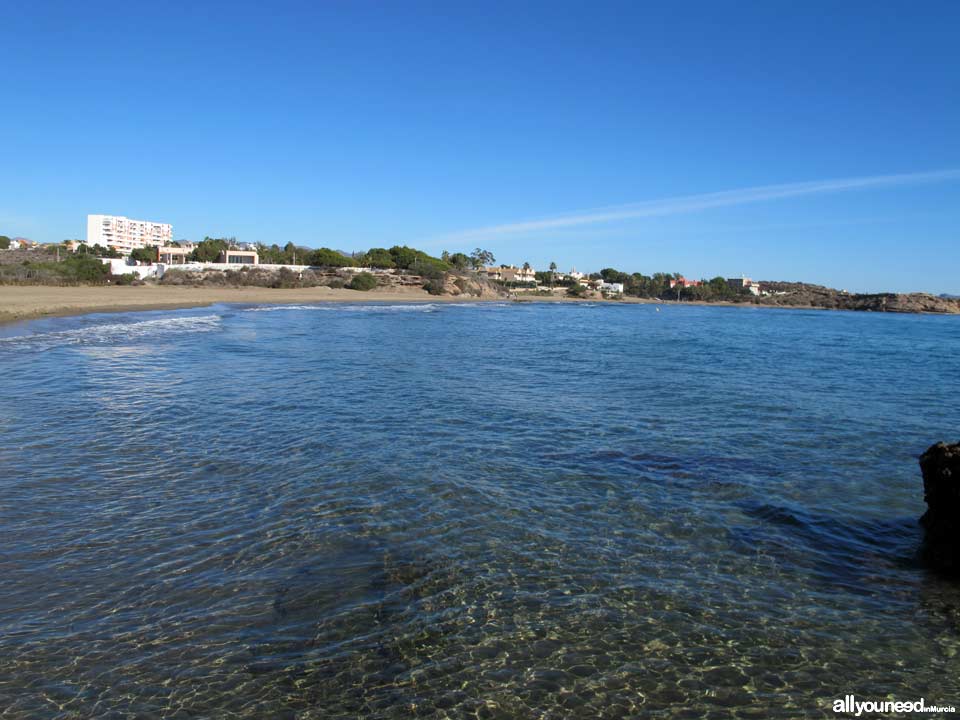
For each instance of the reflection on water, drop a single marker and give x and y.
(448, 511)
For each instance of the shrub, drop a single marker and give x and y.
(325, 257)
(174, 277)
(434, 286)
(287, 278)
(428, 268)
(417, 261)
(363, 281)
(75, 269)
(378, 258)
(577, 291)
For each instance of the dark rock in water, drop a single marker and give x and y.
(940, 466)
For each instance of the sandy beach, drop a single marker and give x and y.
(20, 302)
(29, 302)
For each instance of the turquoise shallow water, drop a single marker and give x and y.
(471, 511)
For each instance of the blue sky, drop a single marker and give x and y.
(457, 125)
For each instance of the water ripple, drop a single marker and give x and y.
(477, 510)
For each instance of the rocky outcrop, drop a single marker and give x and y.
(471, 285)
(940, 466)
(806, 295)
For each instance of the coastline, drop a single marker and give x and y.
(21, 303)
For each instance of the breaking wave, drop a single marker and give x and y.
(110, 333)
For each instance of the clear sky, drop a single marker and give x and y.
(590, 134)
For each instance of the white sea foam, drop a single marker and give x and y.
(111, 333)
(279, 308)
(332, 307)
(484, 304)
(409, 307)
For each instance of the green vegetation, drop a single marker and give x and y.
(434, 286)
(550, 278)
(458, 260)
(577, 291)
(127, 279)
(286, 278)
(325, 257)
(658, 286)
(97, 251)
(144, 254)
(70, 271)
(376, 258)
(5, 242)
(363, 281)
(479, 258)
(54, 264)
(209, 249)
(418, 262)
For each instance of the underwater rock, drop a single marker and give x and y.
(940, 466)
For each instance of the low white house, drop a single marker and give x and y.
(616, 288)
(119, 266)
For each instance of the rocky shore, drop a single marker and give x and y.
(789, 294)
(940, 466)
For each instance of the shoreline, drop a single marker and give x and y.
(23, 303)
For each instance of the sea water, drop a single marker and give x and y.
(487, 510)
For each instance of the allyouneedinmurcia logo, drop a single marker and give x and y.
(849, 705)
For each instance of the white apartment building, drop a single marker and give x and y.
(125, 234)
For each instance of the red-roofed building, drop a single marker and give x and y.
(683, 282)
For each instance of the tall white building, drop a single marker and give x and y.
(125, 234)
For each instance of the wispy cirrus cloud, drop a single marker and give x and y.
(706, 201)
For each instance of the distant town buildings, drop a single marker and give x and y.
(125, 235)
(684, 283)
(744, 283)
(510, 273)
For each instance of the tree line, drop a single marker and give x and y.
(398, 257)
(655, 286)
(658, 286)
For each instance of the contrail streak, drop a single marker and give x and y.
(693, 203)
